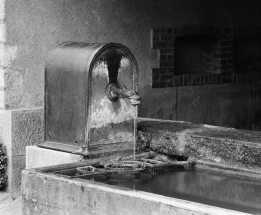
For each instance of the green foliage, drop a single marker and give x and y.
(3, 165)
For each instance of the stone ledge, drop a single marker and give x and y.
(40, 157)
(214, 143)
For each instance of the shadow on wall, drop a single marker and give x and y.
(234, 105)
(158, 103)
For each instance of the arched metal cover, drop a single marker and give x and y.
(78, 113)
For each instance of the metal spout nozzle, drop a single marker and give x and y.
(114, 93)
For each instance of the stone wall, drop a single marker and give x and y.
(30, 29)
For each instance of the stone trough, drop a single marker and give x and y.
(232, 152)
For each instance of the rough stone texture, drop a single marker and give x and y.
(40, 157)
(13, 80)
(14, 87)
(52, 195)
(218, 144)
(27, 129)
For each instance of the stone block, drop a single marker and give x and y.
(41, 157)
(27, 129)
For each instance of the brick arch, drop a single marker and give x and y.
(206, 30)
(243, 31)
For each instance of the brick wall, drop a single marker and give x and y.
(163, 39)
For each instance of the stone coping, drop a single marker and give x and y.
(214, 143)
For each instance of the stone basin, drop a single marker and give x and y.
(234, 153)
(56, 190)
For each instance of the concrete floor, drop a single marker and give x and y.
(8, 206)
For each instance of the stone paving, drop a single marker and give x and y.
(8, 206)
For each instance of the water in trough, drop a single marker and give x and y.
(207, 187)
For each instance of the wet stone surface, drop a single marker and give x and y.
(219, 144)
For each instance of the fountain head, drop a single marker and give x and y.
(83, 108)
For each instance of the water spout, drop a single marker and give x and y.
(114, 93)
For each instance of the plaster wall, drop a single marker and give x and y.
(34, 28)
(230, 105)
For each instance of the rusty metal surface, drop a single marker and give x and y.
(112, 121)
(66, 88)
(77, 110)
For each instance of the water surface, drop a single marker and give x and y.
(207, 187)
